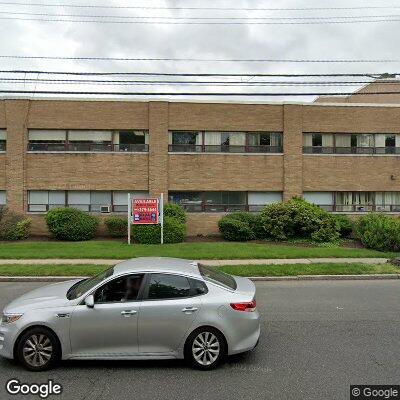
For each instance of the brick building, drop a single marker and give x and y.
(340, 153)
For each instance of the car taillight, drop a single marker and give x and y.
(248, 306)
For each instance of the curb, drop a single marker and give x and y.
(370, 277)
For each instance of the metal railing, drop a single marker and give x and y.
(193, 148)
(88, 147)
(350, 150)
(355, 208)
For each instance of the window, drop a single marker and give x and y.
(321, 199)
(47, 140)
(3, 139)
(131, 141)
(317, 143)
(354, 201)
(3, 198)
(164, 286)
(224, 201)
(122, 289)
(232, 142)
(85, 200)
(387, 143)
(198, 287)
(89, 140)
(218, 277)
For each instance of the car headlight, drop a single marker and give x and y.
(10, 318)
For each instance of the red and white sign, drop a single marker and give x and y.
(145, 211)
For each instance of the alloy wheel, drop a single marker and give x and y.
(37, 350)
(206, 348)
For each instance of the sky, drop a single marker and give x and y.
(372, 40)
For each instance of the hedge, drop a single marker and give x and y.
(239, 226)
(71, 224)
(175, 211)
(117, 227)
(13, 226)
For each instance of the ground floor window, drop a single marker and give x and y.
(85, 200)
(355, 201)
(224, 201)
(3, 198)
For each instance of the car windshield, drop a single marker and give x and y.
(81, 287)
(216, 276)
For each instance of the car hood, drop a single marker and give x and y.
(47, 296)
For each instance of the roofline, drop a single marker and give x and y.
(248, 102)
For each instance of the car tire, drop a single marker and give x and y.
(38, 349)
(205, 348)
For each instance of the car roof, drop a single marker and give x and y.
(158, 264)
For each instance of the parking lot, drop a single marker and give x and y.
(318, 337)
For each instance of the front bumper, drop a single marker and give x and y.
(8, 335)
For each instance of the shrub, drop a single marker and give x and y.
(174, 232)
(297, 218)
(379, 232)
(345, 225)
(13, 226)
(235, 230)
(117, 227)
(71, 224)
(175, 211)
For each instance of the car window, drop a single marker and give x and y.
(165, 286)
(121, 289)
(198, 287)
(83, 286)
(219, 277)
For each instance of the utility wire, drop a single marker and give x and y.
(377, 60)
(323, 22)
(199, 18)
(196, 8)
(255, 74)
(266, 94)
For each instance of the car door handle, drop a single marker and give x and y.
(127, 313)
(189, 309)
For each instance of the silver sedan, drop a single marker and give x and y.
(144, 308)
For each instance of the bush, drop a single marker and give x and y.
(175, 211)
(174, 232)
(345, 226)
(236, 230)
(297, 218)
(13, 226)
(71, 224)
(379, 232)
(117, 227)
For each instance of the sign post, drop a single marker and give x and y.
(146, 212)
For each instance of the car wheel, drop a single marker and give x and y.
(38, 349)
(205, 348)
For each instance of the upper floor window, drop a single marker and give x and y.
(85, 200)
(3, 198)
(3, 139)
(213, 201)
(87, 141)
(351, 143)
(229, 142)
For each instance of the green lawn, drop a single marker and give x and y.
(211, 250)
(241, 270)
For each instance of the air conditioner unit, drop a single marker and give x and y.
(105, 209)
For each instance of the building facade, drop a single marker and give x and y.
(211, 158)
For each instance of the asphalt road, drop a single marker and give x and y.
(317, 339)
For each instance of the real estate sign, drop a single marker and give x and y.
(145, 211)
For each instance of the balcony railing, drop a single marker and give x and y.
(192, 148)
(96, 208)
(355, 208)
(88, 147)
(350, 150)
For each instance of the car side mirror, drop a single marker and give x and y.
(89, 301)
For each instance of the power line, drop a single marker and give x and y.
(298, 94)
(199, 23)
(201, 59)
(199, 18)
(196, 8)
(185, 74)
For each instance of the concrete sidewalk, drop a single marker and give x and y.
(276, 261)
